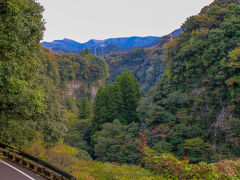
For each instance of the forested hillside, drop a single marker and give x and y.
(29, 102)
(145, 64)
(194, 109)
(77, 75)
(58, 107)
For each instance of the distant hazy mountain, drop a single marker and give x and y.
(100, 51)
(65, 45)
(101, 47)
(156, 42)
(127, 42)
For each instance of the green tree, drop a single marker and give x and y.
(86, 51)
(144, 63)
(196, 149)
(27, 96)
(82, 53)
(117, 101)
(108, 105)
(84, 109)
(21, 96)
(71, 104)
(130, 95)
(198, 95)
(78, 134)
(116, 143)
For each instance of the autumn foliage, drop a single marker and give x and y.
(170, 167)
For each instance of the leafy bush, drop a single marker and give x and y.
(65, 157)
(169, 166)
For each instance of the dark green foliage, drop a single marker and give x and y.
(50, 64)
(76, 75)
(130, 94)
(79, 125)
(162, 147)
(87, 68)
(29, 102)
(108, 105)
(84, 52)
(52, 121)
(84, 109)
(19, 94)
(195, 108)
(116, 143)
(117, 101)
(115, 108)
(78, 134)
(71, 104)
(145, 64)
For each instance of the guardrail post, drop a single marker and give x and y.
(35, 168)
(11, 156)
(27, 164)
(35, 164)
(51, 175)
(20, 161)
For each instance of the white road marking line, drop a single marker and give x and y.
(18, 170)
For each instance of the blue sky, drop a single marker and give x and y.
(82, 20)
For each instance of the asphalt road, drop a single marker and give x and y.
(11, 171)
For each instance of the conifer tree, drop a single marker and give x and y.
(86, 51)
(82, 53)
(84, 110)
(130, 95)
(117, 101)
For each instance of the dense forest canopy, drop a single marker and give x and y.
(145, 64)
(117, 101)
(29, 101)
(83, 67)
(194, 110)
(115, 122)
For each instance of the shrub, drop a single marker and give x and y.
(169, 166)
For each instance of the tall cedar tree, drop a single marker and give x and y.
(117, 101)
(130, 95)
(84, 110)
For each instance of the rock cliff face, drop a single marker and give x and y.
(74, 88)
(75, 75)
(78, 89)
(94, 91)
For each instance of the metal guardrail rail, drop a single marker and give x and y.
(34, 164)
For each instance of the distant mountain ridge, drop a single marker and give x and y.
(102, 47)
(126, 42)
(158, 41)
